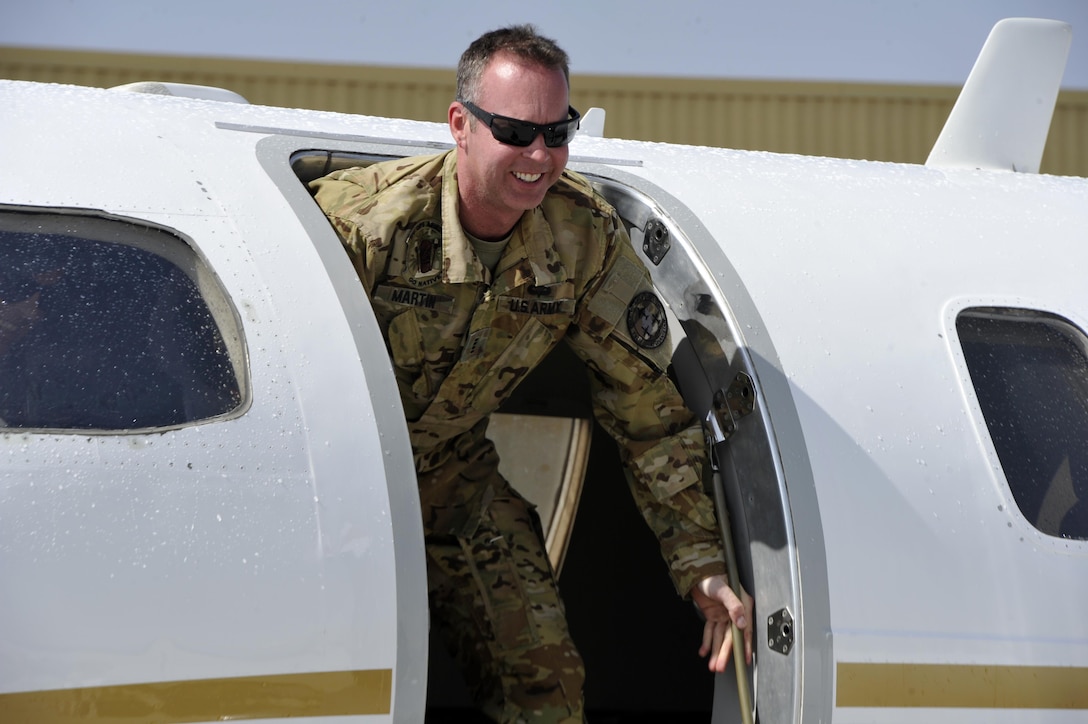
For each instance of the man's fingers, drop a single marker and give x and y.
(748, 604)
(736, 608)
(739, 610)
(722, 607)
(708, 638)
(723, 647)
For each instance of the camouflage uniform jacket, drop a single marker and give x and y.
(461, 339)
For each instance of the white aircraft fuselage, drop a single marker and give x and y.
(259, 554)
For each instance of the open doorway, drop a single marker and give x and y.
(612, 576)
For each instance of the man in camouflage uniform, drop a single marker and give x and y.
(478, 262)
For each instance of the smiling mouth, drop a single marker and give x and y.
(527, 177)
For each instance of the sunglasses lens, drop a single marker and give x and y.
(513, 132)
(559, 134)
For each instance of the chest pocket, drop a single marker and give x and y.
(423, 330)
(506, 359)
(508, 339)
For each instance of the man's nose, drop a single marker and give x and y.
(537, 150)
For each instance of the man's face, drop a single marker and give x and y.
(498, 182)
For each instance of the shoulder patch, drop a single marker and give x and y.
(646, 321)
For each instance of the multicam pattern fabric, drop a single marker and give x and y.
(461, 339)
(494, 592)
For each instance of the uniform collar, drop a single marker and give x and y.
(460, 262)
(530, 256)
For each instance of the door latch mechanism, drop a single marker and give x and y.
(655, 241)
(729, 405)
(780, 631)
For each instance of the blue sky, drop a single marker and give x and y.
(905, 41)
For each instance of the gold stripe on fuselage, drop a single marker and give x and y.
(961, 686)
(332, 693)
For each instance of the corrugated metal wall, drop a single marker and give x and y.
(876, 122)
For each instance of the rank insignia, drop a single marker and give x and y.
(646, 320)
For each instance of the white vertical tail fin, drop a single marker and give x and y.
(593, 123)
(1002, 116)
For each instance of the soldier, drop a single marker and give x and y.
(478, 261)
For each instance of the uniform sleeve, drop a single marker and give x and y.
(345, 202)
(661, 442)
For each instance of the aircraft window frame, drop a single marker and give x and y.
(191, 365)
(1029, 372)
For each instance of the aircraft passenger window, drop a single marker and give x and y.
(1030, 372)
(109, 325)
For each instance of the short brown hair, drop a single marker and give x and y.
(520, 40)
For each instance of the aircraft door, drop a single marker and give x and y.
(715, 374)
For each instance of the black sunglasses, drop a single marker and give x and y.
(515, 132)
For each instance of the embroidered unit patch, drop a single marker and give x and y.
(424, 266)
(646, 320)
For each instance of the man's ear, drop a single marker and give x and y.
(458, 120)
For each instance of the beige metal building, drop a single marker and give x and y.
(847, 120)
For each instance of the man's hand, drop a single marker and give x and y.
(722, 608)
